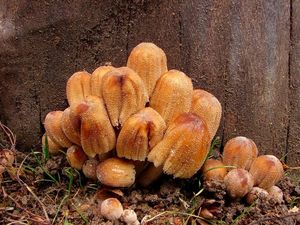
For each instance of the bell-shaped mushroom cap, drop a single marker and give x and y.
(111, 209)
(184, 147)
(149, 62)
(78, 87)
(240, 152)
(239, 182)
(123, 93)
(139, 134)
(115, 172)
(266, 170)
(53, 148)
(213, 170)
(208, 107)
(76, 157)
(69, 127)
(97, 134)
(96, 80)
(53, 127)
(172, 95)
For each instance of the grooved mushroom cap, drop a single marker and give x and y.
(76, 157)
(69, 127)
(208, 107)
(123, 93)
(238, 183)
(78, 87)
(96, 79)
(240, 152)
(116, 172)
(149, 62)
(172, 95)
(213, 170)
(97, 134)
(184, 147)
(53, 126)
(53, 148)
(139, 134)
(266, 170)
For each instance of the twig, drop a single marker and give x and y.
(275, 218)
(10, 135)
(29, 189)
(145, 220)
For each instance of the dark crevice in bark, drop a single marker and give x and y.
(289, 83)
(128, 27)
(181, 36)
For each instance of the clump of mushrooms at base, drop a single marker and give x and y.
(130, 124)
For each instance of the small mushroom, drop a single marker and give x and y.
(123, 93)
(240, 152)
(115, 172)
(266, 170)
(78, 87)
(184, 147)
(53, 126)
(276, 194)
(238, 183)
(213, 170)
(76, 157)
(139, 134)
(172, 95)
(255, 193)
(111, 209)
(149, 62)
(96, 79)
(53, 148)
(129, 217)
(89, 168)
(207, 106)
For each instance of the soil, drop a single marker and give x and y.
(168, 201)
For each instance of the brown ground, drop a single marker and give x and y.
(39, 191)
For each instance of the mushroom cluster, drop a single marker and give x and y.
(131, 124)
(244, 172)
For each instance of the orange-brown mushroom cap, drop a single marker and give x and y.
(184, 147)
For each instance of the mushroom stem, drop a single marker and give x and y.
(149, 175)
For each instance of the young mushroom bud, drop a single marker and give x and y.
(240, 152)
(97, 134)
(184, 147)
(208, 107)
(53, 126)
(149, 62)
(53, 148)
(276, 194)
(172, 95)
(70, 128)
(266, 170)
(76, 157)
(213, 170)
(123, 93)
(115, 172)
(256, 193)
(78, 87)
(238, 183)
(139, 134)
(111, 209)
(96, 80)
(129, 217)
(89, 168)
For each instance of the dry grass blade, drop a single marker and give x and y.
(10, 135)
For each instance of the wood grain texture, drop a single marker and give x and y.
(237, 50)
(293, 156)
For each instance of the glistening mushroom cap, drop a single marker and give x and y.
(240, 152)
(213, 170)
(184, 147)
(115, 172)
